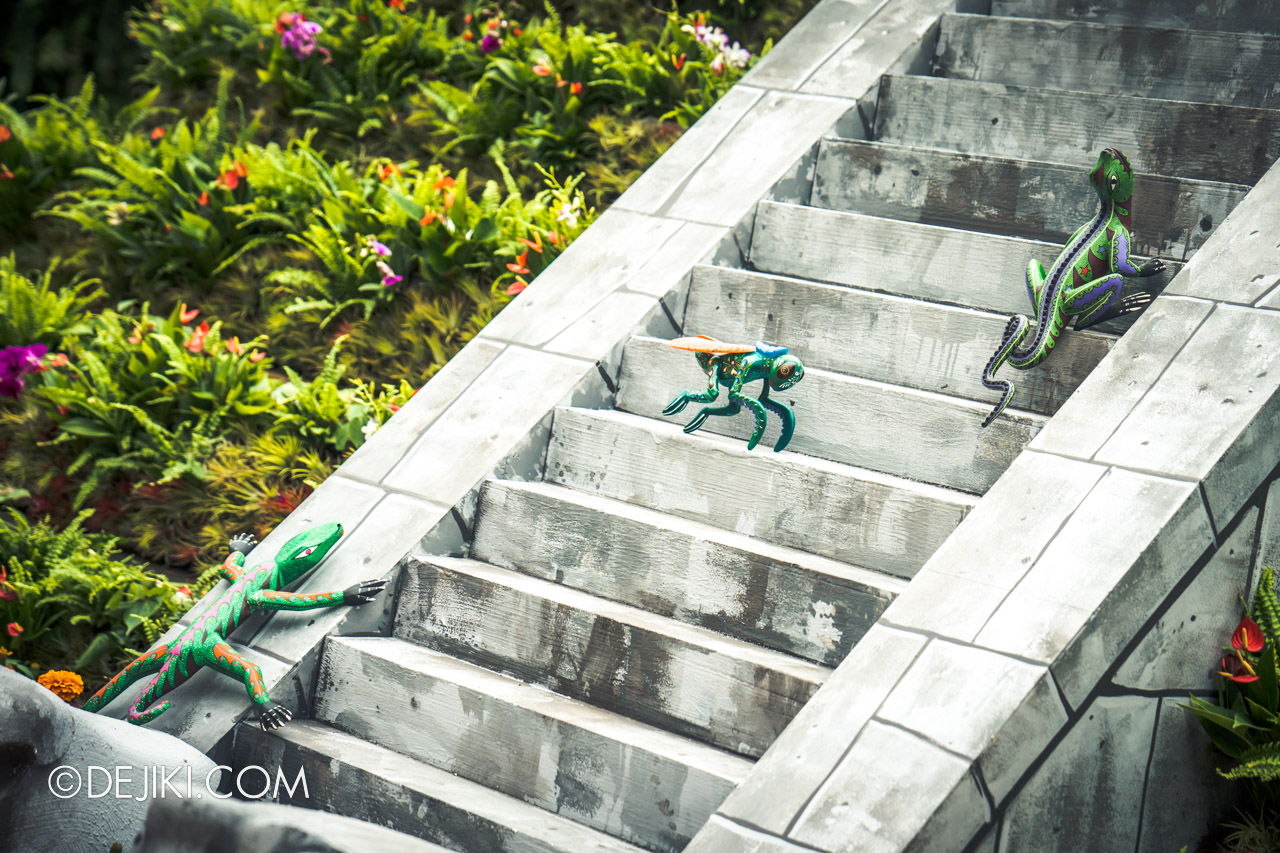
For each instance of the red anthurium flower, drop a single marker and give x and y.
(256, 356)
(204, 199)
(542, 70)
(1248, 636)
(229, 179)
(516, 31)
(187, 316)
(7, 593)
(554, 237)
(519, 285)
(444, 184)
(428, 218)
(575, 88)
(388, 170)
(519, 266)
(467, 36)
(535, 243)
(196, 344)
(157, 134)
(241, 169)
(448, 200)
(14, 629)
(678, 61)
(5, 174)
(1238, 670)
(234, 347)
(393, 407)
(5, 134)
(467, 19)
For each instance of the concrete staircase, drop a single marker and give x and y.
(626, 636)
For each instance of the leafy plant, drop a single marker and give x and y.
(39, 313)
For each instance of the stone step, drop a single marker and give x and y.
(349, 776)
(943, 265)
(877, 336)
(1007, 196)
(1240, 16)
(754, 591)
(644, 785)
(670, 674)
(904, 431)
(1180, 65)
(853, 515)
(1207, 142)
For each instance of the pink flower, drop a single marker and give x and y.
(14, 629)
(490, 43)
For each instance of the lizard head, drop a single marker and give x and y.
(303, 552)
(1112, 176)
(787, 371)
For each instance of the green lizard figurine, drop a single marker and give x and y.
(204, 643)
(1085, 280)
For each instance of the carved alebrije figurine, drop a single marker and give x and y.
(1085, 280)
(204, 642)
(734, 365)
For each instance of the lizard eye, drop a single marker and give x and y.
(308, 552)
(1114, 181)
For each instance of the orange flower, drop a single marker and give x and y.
(467, 19)
(5, 134)
(157, 133)
(55, 360)
(516, 31)
(228, 179)
(234, 347)
(138, 332)
(167, 228)
(448, 200)
(467, 36)
(444, 184)
(519, 266)
(196, 344)
(204, 199)
(287, 20)
(575, 88)
(388, 170)
(187, 316)
(554, 237)
(678, 62)
(535, 243)
(542, 70)
(519, 285)
(240, 169)
(398, 5)
(67, 685)
(427, 218)
(393, 407)
(5, 174)
(256, 356)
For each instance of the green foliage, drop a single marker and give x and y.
(80, 606)
(39, 313)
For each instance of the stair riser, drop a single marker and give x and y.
(642, 674)
(1235, 16)
(902, 341)
(1208, 67)
(903, 257)
(735, 592)
(909, 434)
(341, 788)
(776, 498)
(1198, 141)
(1018, 198)
(639, 796)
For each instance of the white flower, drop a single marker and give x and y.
(568, 213)
(118, 213)
(717, 64)
(369, 428)
(737, 55)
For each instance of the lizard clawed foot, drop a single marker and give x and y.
(1136, 302)
(363, 592)
(1152, 267)
(273, 715)
(242, 543)
(677, 404)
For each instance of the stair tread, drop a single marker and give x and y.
(712, 641)
(536, 828)
(1011, 196)
(1120, 59)
(538, 700)
(1259, 17)
(1166, 137)
(883, 337)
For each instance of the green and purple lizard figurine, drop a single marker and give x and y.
(1085, 280)
(204, 642)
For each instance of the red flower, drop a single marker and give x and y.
(1248, 636)
(5, 174)
(444, 184)
(427, 218)
(364, 19)
(575, 88)
(554, 237)
(196, 344)
(467, 36)
(287, 20)
(7, 592)
(678, 61)
(542, 70)
(467, 19)
(228, 179)
(519, 266)
(398, 5)
(14, 629)
(5, 134)
(157, 134)
(1238, 670)
(256, 356)
(204, 199)
(388, 170)
(519, 285)
(187, 316)
(241, 169)
(57, 360)
(516, 31)
(234, 347)
(535, 243)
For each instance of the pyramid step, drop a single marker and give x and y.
(889, 338)
(924, 261)
(677, 676)
(1207, 142)
(1008, 196)
(633, 781)
(903, 431)
(1256, 16)
(349, 776)
(848, 514)
(754, 591)
(1180, 65)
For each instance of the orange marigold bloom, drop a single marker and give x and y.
(157, 133)
(67, 685)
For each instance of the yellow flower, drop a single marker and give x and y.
(67, 685)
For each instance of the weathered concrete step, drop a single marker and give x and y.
(1240, 16)
(1016, 198)
(755, 591)
(924, 261)
(677, 676)
(636, 782)
(1207, 142)
(889, 338)
(902, 431)
(853, 515)
(1180, 65)
(350, 776)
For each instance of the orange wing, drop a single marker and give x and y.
(703, 343)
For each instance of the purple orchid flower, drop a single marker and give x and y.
(379, 248)
(301, 39)
(14, 362)
(490, 43)
(389, 277)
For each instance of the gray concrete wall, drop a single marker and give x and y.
(1021, 694)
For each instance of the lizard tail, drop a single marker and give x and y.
(146, 665)
(1014, 332)
(141, 718)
